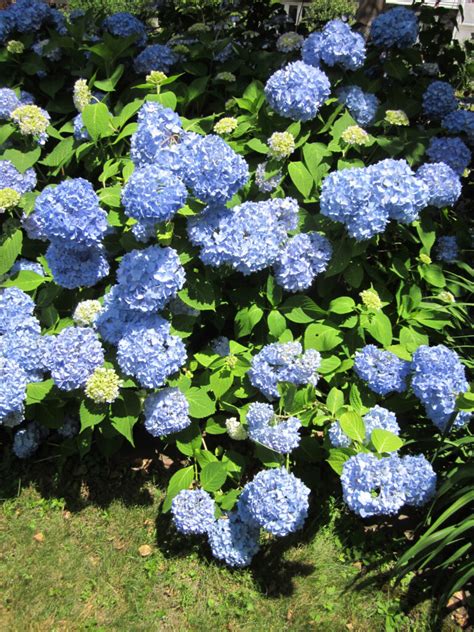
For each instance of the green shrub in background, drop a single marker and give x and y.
(321, 11)
(101, 8)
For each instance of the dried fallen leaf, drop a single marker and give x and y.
(38, 537)
(165, 461)
(349, 626)
(145, 550)
(118, 545)
(141, 464)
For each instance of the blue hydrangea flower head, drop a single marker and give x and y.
(452, 151)
(383, 371)
(29, 15)
(7, 24)
(458, 122)
(377, 418)
(275, 500)
(73, 267)
(152, 194)
(438, 378)
(420, 481)
(80, 130)
(124, 24)
(280, 435)
(70, 428)
(156, 139)
(22, 265)
(447, 248)
(297, 91)
(27, 440)
(336, 45)
(212, 169)
(144, 231)
(373, 486)
(266, 184)
(303, 257)
(13, 381)
(74, 355)
(16, 308)
(361, 105)
(439, 99)
(397, 28)
(70, 212)
(283, 362)
(166, 412)
(149, 278)
(8, 102)
(193, 511)
(150, 353)
(11, 178)
(233, 540)
(443, 184)
(337, 437)
(28, 349)
(155, 57)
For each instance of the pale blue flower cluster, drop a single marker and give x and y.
(24, 265)
(264, 427)
(233, 540)
(8, 102)
(155, 57)
(54, 54)
(193, 511)
(124, 24)
(396, 28)
(80, 130)
(166, 412)
(438, 378)
(27, 440)
(16, 310)
(13, 381)
(361, 105)
(76, 266)
(150, 353)
(27, 347)
(447, 248)
(380, 487)
(443, 184)
(304, 257)
(336, 45)
(451, 151)
(264, 183)
(276, 500)
(147, 279)
(156, 140)
(283, 362)
(297, 91)
(74, 354)
(439, 99)
(377, 418)
(460, 121)
(247, 237)
(383, 371)
(153, 195)
(11, 178)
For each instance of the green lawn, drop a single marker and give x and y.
(70, 560)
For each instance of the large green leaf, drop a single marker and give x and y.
(182, 479)
(213, 476)
(200, 404)
(353, 426)
(97, 120)
(10, 248)
(301, 178)
(385, 441)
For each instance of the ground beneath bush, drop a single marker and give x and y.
(84, 550)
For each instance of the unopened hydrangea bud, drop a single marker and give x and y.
(425, 258)
(235, 429)
(229, 104)
(226, 125)
(225, 76)
(199, 27)
(231, 361)
(15, 47)
(181, 49)
(32, 120)
(282, 145)
(82, 94)
(8, 198)
(355, 135)
(397, 117)
(371, 299)
(289, 41)
(86, 313)
(156, 77)
(103, 386)
(446, 297)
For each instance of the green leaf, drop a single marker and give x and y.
(188, 441)
(91, 414)
(22, 160)
(256, 145)
(385, 441)
(108, 85)
(353, 426)
(200, 404)
(60, 154)
(124, 414)
(276, 323)
(213, 476)
(37, 391)
(198, 294)
(412, 339)
(329, 365)
(380, 328)
(10, 248)
(26, 280)
(321, 337)
(301, 178)
(221, 382)
(97, 120)
(342, 305)
(465, 401)
(246, 319)
(182, 479)
(335, 400)
(301, 309)
(337, 458)
(433, 274)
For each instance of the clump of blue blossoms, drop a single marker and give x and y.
(157, 137)
(22, 265)
(153, 194)
(28, 349)
(150, 353)
(71, 213)
(438, 378)
(11, 178)
(377, 418)
(443, 184)
(397, 28)
(275, 500)
(149, 278)
(155, 57)
(16, 309)
(13, 381)
(283, 362)
(193, 511)
(383, 371)
(451, 151)
(80, 130)
(447, 248)
(280, 435)
(460, 121)
(166, 412)
(70, 428)
(304, 257)
(264, 183)
(221, 346)
(297, 91)
(212, 169)
(420, 485)
(9, 102)
(336, 45)
(233, 540)
(29, 15)
(27, 440)
(362, 105)
(74, 355)
(247, 237)
(124, 24)
(439, 99)
(74, 266)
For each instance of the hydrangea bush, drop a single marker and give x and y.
(250, 251)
